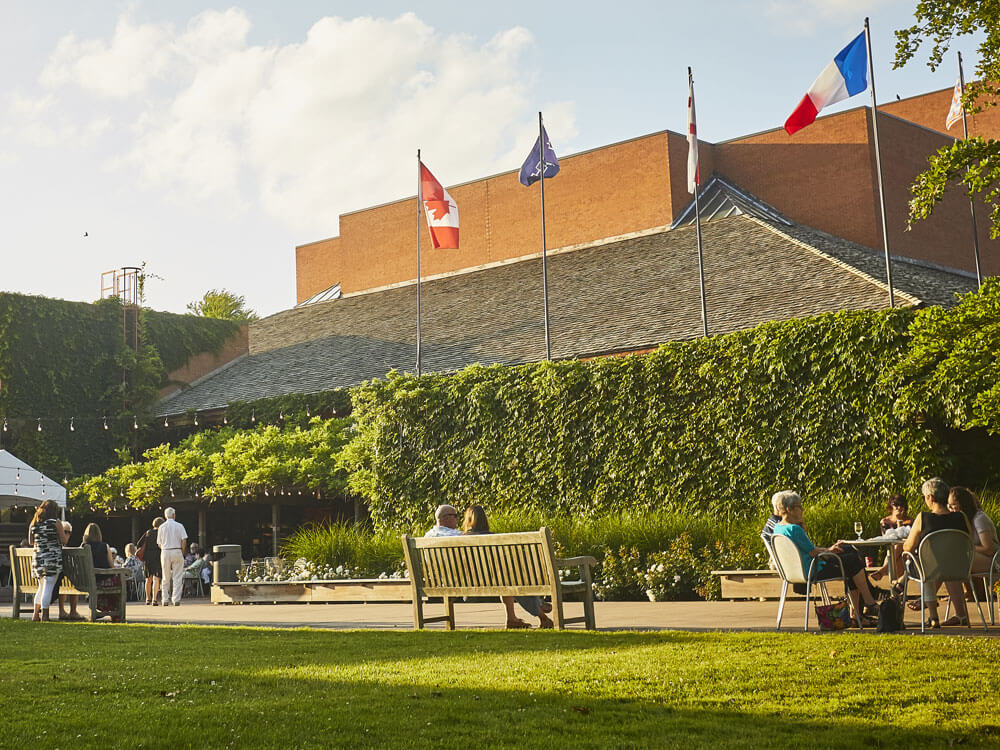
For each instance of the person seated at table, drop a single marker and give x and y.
(984, 532)
(898, 508)
(938, 518)
(476, 522)
(789, 506)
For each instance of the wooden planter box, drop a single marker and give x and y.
(276, 592)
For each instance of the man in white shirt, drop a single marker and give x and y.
(446, 518)
(172, 539)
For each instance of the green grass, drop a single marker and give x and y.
(177, 686)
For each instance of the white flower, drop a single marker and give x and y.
(677, 579)
(650, 595)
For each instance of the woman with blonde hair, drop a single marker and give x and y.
(476, 522)
(48, 535)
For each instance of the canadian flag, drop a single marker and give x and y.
(440, 209)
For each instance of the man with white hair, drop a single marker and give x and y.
(446, 522)
(172, 539)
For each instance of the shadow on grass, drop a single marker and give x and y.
(148, 686)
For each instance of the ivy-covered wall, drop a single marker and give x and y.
(61, 363)
(711, 426)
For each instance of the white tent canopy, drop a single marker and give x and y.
(20, 484)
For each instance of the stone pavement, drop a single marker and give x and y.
(691, 616)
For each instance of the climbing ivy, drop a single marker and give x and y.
(711, 426)
(61, 368)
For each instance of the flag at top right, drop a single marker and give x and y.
(955, 113)
(846, 76)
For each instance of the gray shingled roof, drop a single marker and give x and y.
(631, 294)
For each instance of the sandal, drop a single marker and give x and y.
(914, 604)
(956, 620)
(933, 623)
(517, 624)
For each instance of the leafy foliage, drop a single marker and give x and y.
(975, 162)
(708, 428)
(62, 363)
(952, 370)
(224, 305)
(225, 465)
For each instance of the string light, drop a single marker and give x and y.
(5, 424)
(308, 414)
(253, 416)
(39, 425)
(196, 419)
(281, 415)
(225, 419)
(166, 423)
(72, 427)
(18, 477)
(171, 490)
(105, 423)
(135, 422)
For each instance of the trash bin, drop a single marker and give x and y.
(227, 559)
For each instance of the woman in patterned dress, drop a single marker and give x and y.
(48, 536)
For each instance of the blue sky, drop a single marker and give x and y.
(208, 139)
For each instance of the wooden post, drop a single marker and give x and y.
(202, 530)
(275, 527)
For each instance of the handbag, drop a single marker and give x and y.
(890, 615)
(834, 616)
(140, 551)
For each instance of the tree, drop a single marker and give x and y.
(221, 303)
(975, 162)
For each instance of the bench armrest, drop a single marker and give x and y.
(575, 562)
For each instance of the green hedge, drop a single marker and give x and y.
(711, 426)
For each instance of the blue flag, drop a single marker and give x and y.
(531, 169)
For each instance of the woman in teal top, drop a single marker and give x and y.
(789, 507)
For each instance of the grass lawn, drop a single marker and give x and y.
(114, 686)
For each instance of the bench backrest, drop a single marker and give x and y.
(481, 564)
(78, 570)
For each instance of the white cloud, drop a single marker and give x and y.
(307, 130)
(119, 68)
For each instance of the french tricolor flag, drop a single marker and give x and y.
(846, 76)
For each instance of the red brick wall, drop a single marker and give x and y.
(823, 176)
(601, 193)
(931, 111)
(201, 364)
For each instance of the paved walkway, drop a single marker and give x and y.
(692, 616)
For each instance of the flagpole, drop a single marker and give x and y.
(419, 209)
(697, 226)
(878, 166)
(545, 273)
(972, 202)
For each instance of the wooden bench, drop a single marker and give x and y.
(79, 579)
(521, 564)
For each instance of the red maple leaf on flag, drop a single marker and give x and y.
(439, 209)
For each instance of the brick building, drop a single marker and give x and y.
(792, 228)
(823, 177)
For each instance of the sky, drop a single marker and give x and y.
(205, 140)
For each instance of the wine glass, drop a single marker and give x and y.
(858, 528)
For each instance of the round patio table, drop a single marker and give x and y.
(879, 541)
